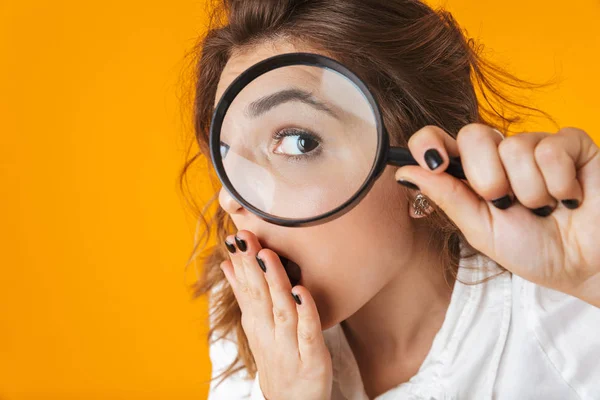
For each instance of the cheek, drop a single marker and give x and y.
(361, 252)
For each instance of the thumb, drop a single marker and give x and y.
(468, 211)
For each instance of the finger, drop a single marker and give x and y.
(558, 169)
(311, 343)
(257, 287)
(570, 163)
(431, 147)
(478, 146)
(526, 179)
(239, 274)
(285, 316)
(468, 211)
(245, 293)
(587, 156)
(227, 268)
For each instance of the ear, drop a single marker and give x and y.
(420, 206)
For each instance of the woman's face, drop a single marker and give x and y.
(344, 262)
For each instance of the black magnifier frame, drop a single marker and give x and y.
(397, 156)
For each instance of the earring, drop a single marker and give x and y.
(420, 204)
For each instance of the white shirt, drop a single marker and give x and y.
(506, 338)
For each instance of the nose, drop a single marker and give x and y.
(228, 203)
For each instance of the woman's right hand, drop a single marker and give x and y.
(285, 338)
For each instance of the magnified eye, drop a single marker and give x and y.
(294, 142)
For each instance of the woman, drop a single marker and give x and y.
(490, 290)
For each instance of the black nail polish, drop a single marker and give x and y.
(408, 184)
(433, 159)
(230, 247)
(241, 243)
(543, 211)
(261, 264)
(297, 298)
(503, 203)
(571, 203)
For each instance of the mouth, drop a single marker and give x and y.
(292, 269)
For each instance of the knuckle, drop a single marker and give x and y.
(243, 232)
(472, 132)
(251, 291)
(432, 130)
(425, 133)
(548, 152)
(255, 293)
(513, 147)
(306, 335)
(571, 130)
(280, 315)
(243, 286)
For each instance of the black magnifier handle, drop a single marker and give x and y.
(399, 156)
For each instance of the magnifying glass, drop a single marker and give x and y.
(298, 140)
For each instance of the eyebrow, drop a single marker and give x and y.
(264, 104)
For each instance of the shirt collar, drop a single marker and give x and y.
(463, 305)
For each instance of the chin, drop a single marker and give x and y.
(328, 319)
(328, 324)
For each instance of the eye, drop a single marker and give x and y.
(295, 142)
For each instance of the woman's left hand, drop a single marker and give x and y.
(548, 228)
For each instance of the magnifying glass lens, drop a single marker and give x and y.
(298, 141)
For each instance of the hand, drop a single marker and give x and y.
(547, 230)
(285, 338)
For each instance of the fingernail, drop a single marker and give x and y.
(503, 203)
(408, 184)
(571, 203)
(297, 298)
(230, 247)
(433, 159)
(543, 211)
(261, 264)
(241, 243)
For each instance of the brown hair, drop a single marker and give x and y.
(419, 64)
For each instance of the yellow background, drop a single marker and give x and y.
(94, 235)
